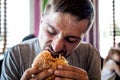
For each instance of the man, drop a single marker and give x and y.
(63, 24)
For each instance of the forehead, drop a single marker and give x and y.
(66, 21)
(64, 18)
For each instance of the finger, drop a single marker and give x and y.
(72, 68)
(70, 75)
(66, 74)
(44, 74)
(30, 71)
(60, 78)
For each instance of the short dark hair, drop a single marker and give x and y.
(82, 9)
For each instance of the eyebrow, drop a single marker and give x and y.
(67, 36)
(50, 26)
(75, 37)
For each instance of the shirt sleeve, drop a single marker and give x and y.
(18, 59)
(93, 63)
(10, 66)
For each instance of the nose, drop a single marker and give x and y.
(57, 45)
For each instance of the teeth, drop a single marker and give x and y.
(52, 53)
(55, 55)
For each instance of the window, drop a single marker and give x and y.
(18, 21)
(3, 25)
(106, 24)
(17, 24)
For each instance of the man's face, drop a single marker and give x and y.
(61, 32)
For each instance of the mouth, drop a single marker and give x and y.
(55, 55)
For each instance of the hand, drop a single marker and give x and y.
(70, 73)
(36, 74)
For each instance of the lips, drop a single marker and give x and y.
(56, 54)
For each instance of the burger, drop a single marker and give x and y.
(45, 60)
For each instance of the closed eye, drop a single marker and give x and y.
(51, 30)
(72, 39)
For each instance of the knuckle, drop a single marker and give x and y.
(27, 71)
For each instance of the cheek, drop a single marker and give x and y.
(43, 38)
(43, 33)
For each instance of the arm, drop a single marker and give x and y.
(9, 67)
(14, 69)
(117, 69)
(70, 73)
(92, 61)
(87, 62)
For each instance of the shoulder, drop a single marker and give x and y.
(87, 52)
(26, 48)
(28, 44)
(89, 57)
(86, 47)
(110, 64)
